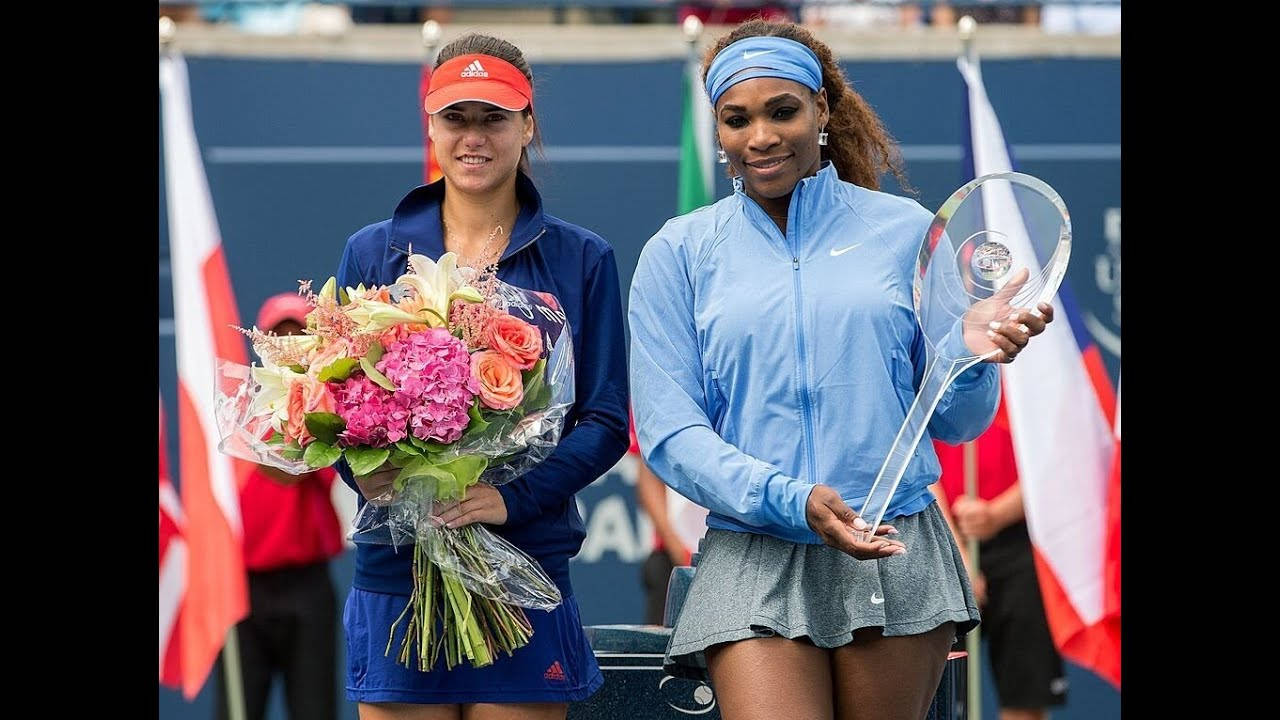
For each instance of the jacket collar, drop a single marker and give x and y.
(415, 225)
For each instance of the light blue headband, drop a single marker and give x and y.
(763, 56)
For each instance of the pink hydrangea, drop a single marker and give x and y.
(434, 385)
(372, 414)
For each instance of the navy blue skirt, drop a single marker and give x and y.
(556, 666)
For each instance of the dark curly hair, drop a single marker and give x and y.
(858, 145)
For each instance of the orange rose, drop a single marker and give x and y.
(305, 396)
(501, 387)
(396, 333)
(519, 341)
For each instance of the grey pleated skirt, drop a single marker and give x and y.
(748, 586)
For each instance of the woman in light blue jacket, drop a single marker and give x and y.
(774, 354)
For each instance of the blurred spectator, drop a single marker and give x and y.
(1027, 668)
(291, 531)
(860, 14)
(280, 17)
(947, 14)
(727, 12)
(1087, 19)
(678, 525)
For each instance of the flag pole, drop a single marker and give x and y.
(966, 26)
(973, 641)
(231, 669)
(430, 39)
(692, 31)
(230, 651)
(168, 28)
(697, 185)
(431, 33)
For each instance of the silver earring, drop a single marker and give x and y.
(822, 138)
(721, 157)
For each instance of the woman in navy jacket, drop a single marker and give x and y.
(485, 209)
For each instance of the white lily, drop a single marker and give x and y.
(273, 396)
(330, 289)
(435, 286)
(376, 316)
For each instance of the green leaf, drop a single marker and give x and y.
(445, 481)
(495, 426)
(419, 469)
(275, 439)
(428, 446)
(374, 353)
(536, 392)
(376, 376)
(477, 422)
(298, 369)
(338, 370)
(324, 426)
(343, 299)
(540, 399)
(402, 453)
(291, 452)
(537, 371)
(319, 454)
(365, 460)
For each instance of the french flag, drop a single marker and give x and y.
(216, 596)
(1064, 419)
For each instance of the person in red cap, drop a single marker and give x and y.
(291, 531)
(487, 210)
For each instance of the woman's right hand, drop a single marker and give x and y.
(376, 486)
(841, 528)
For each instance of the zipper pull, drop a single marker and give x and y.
(795, 263)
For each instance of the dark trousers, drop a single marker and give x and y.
(291, 630)
(655, 574)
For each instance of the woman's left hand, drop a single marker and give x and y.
(1012, 335)
(483, 504)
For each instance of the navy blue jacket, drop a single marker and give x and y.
(546, 254)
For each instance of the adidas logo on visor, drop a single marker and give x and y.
(474, 70)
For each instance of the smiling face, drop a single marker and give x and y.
(769, 129)
(479, 145)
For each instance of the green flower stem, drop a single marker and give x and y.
(444, 613)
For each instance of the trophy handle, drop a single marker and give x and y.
(939, 373)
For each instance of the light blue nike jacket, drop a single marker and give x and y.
(763, 364)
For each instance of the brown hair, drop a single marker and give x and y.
(858, 145)
(475, 43)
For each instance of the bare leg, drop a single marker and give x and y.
(408, 711)
(770, 678)
(515, 711)
(889, 678)
(1024, 714)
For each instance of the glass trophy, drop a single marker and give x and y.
(1000, 242)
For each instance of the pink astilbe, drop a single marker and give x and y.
(432, 374)
(470, 320)
(270, 346)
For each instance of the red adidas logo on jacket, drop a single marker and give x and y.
(555, 672)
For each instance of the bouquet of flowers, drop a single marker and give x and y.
(449, 377)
